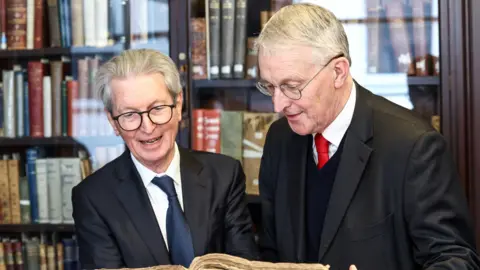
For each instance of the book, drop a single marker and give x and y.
(217, 261)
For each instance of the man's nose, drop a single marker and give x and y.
(147, 125)
(280, 101)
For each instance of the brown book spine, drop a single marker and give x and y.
(6, 214)
(13, 177)
(54, 24)
(59, 252)
(199, 48)
(17, 251)
(35, 98)
(38, 28)
(57, 74)
(43, 256)
(197, 130)
(9, 256)
(16, 24)
(2, 255)
(77, 22)
(3, 24)
(251, 61)
(211, 137)
(276, 5)
(72, 112)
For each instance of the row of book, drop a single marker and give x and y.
(37, 189)
(43, 100)
(238, 134)
(33, 24)
(36, 253)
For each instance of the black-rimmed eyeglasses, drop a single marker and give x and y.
(159, 115)
(290, 91)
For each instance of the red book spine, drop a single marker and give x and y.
(35, 98)
(211, 138)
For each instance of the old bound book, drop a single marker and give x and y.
(217, 261)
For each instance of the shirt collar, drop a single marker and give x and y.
(147, 175)
(337, 129)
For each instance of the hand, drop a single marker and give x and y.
(352, 267)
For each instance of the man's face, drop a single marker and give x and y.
(151, 144)
(294, 67)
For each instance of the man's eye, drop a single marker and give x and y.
(289, 87)
(128, 115)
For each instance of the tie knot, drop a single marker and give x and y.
(321, 143)
(165, 183)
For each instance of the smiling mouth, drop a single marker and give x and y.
(151, 141)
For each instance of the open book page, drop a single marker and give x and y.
(217, 261)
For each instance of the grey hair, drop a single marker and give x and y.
(136, 62)
(305, 25)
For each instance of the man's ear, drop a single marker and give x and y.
(112, 122)
(179, 104)
(342, 69)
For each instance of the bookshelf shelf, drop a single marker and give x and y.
(50, 52)
(44, 52)
(33, 141)
(239, 83)
(230, 83)
(423, 80)
(20, 228)
(114, 49)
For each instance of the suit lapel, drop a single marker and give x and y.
(196, 189)
(296, 190)
(352, 164)
(134, 198)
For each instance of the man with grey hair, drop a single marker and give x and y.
(348, 178)
(157, 203)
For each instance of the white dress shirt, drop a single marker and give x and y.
(337, 129)
(158, 198)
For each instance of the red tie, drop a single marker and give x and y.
(322, 150)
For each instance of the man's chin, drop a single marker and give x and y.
(299, 128)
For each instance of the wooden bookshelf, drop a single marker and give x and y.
(25, 228)
(233, 83)
(44, 53)
(55, 52)
(40, 141)
(423, 80)
(240, 83)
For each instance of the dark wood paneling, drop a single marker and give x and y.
(472, 36)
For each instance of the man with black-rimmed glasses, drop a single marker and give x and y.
(157, 203)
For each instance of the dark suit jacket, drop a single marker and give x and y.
(396, 201)
(116, 225)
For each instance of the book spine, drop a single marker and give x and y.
(240, 38)
(16, 24)
(214, 38)
(227, 37)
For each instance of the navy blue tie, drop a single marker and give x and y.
(178, 233)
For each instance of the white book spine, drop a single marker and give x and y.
(47, 106)
(71, 176)
(89, 23)
(101, 22)
(19, 103)
(55, 191)
(9, 119)
(30, 23)
(42, 190)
